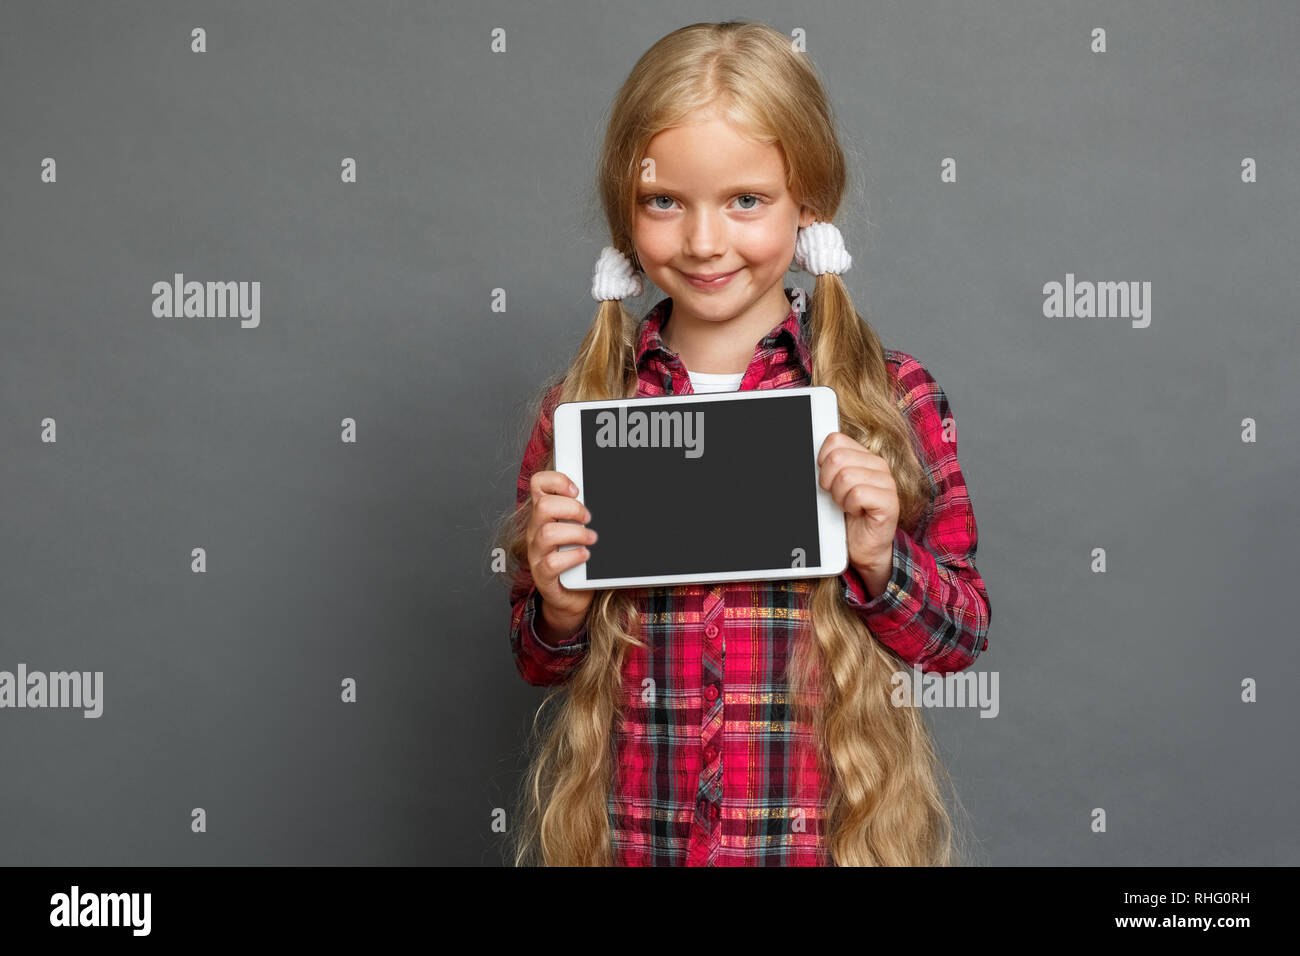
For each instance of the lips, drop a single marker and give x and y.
(713, 280)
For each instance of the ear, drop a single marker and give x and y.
(806, 217)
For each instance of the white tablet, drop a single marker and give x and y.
(702, 488)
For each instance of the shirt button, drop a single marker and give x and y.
(711, 691)
(710, 753)
(704, 808)
(713, 811)
(711, 631)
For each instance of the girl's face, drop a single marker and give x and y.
(716, 206)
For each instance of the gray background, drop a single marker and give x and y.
(326, 560)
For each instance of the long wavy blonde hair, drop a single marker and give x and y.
(884, 805)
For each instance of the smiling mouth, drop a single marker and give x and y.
(718, 280)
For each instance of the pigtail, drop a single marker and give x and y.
(884, 805)
(564, 796)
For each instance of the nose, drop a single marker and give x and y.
(704, 236)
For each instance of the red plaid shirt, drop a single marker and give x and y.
(706, 766)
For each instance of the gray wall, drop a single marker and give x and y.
(368, 560)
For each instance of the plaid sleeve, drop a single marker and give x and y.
(934, 611)
(541, 664)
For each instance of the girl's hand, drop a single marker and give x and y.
(863, 487)
(558, 518)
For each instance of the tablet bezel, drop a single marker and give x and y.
(830, 519)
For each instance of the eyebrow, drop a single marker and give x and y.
(646, 189)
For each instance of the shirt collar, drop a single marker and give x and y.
(792, 330)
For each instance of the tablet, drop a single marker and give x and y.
(702, 488)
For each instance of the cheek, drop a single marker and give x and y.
(655, 241)
(769, 245)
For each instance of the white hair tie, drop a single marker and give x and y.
(614, 277)
(820, 248)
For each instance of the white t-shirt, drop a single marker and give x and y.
(702, 382)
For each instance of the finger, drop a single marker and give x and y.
(838, 441)
(558, 561)
(556, 533)
(833, 441)
(560, 508)
(847, 477)
(851, 453)
(866, 500)
(850, 479)
(551, 483)
(842, 459)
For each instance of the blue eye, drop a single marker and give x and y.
(650, 201)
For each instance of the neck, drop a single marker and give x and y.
(721, 347)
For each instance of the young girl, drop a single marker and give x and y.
(745, 723)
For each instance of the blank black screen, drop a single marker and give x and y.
(745, 504)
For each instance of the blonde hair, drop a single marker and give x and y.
(884, 803)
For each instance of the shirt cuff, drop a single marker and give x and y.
(531, 611)
(903, 599)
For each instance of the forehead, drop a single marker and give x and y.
(711, 150)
